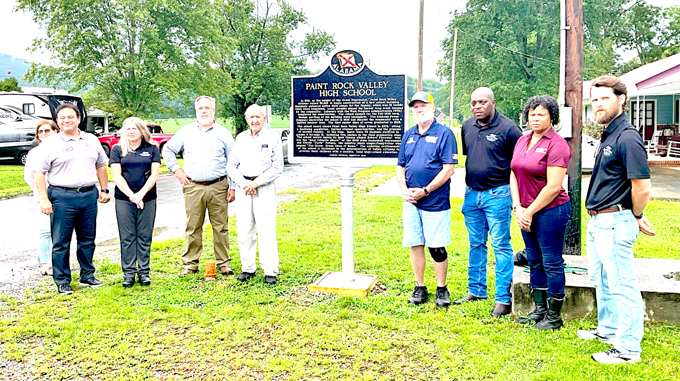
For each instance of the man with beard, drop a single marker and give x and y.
(617, 196)
(488, 141)
(206, 146)
(427, 157)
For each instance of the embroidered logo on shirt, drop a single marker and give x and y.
(68, 149)
(410, 140)
(430, 139)
(541, 150)
(144, 154)
(607, 151)
(455, 156)
(492, 137)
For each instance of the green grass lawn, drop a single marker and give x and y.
(187, 328)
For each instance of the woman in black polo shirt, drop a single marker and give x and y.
(135, 163)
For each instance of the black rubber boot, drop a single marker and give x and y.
(553, 319)
(541, 303)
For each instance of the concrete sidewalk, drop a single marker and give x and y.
(665, 184)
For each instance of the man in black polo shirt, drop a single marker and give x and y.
(488, 142)
(618, 193)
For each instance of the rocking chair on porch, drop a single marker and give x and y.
(654, 146)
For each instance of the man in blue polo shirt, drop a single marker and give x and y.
(617, 195)
(488, 141)
(427, 157)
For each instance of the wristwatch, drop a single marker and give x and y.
(427, 192)
(638, 217)
(105, 191)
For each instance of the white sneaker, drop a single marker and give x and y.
(614, 356)
(592, 335)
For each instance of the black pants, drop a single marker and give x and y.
(72, 211)
(135, 227)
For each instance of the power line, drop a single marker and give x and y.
(493, 44)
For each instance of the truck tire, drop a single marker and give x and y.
(107, 150)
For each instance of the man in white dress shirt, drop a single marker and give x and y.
(254, 163)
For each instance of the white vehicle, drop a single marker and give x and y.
(284, 132)
(30, 108)
(588, 150)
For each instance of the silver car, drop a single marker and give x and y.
(284, 133)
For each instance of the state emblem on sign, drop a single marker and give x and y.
(347, 63)
(347, 60)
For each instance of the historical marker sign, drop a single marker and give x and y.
(347, 112)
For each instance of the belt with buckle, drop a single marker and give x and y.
(211, 182)
(617, 208)
(250, 178)
(77, 189)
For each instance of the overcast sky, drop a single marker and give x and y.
(385, 32)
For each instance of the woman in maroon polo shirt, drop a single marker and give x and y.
(542, 207)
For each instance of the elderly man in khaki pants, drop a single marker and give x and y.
(206, 146)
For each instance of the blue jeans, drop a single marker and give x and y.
(44, 236)
(489, 212)
(72, 211)
(544, 247)
(611, 267)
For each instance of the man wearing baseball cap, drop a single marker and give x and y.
(427, 157)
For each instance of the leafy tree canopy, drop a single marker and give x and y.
(252, 55)
(10, 84)
(125, 54)
(513, 46)
(131, 56)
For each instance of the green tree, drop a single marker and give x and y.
(10, 84)
(513, 46)
(126, 55)
(252, 55)
(509, 46)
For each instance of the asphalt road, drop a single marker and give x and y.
(18, 235)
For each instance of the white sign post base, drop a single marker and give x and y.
(346, 283)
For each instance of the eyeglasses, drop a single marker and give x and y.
(45, 131)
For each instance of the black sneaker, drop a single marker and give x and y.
(245, 276)
(144, 279)
(419, 295)
(90, 282)
(64, 289)
(270, 279)
(129, 280)
(443, 298)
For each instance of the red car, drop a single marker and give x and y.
(108, 141)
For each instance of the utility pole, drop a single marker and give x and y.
(574, 99)
(420, 47)
(453, 74)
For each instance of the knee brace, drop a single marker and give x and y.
(438, 254)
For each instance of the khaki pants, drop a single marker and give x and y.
(198, 198)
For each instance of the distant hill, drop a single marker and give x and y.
(17, 66)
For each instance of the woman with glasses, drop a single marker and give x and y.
(135, 163)
(542, 208)
(44, 129)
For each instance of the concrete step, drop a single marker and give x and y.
(658, 279)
